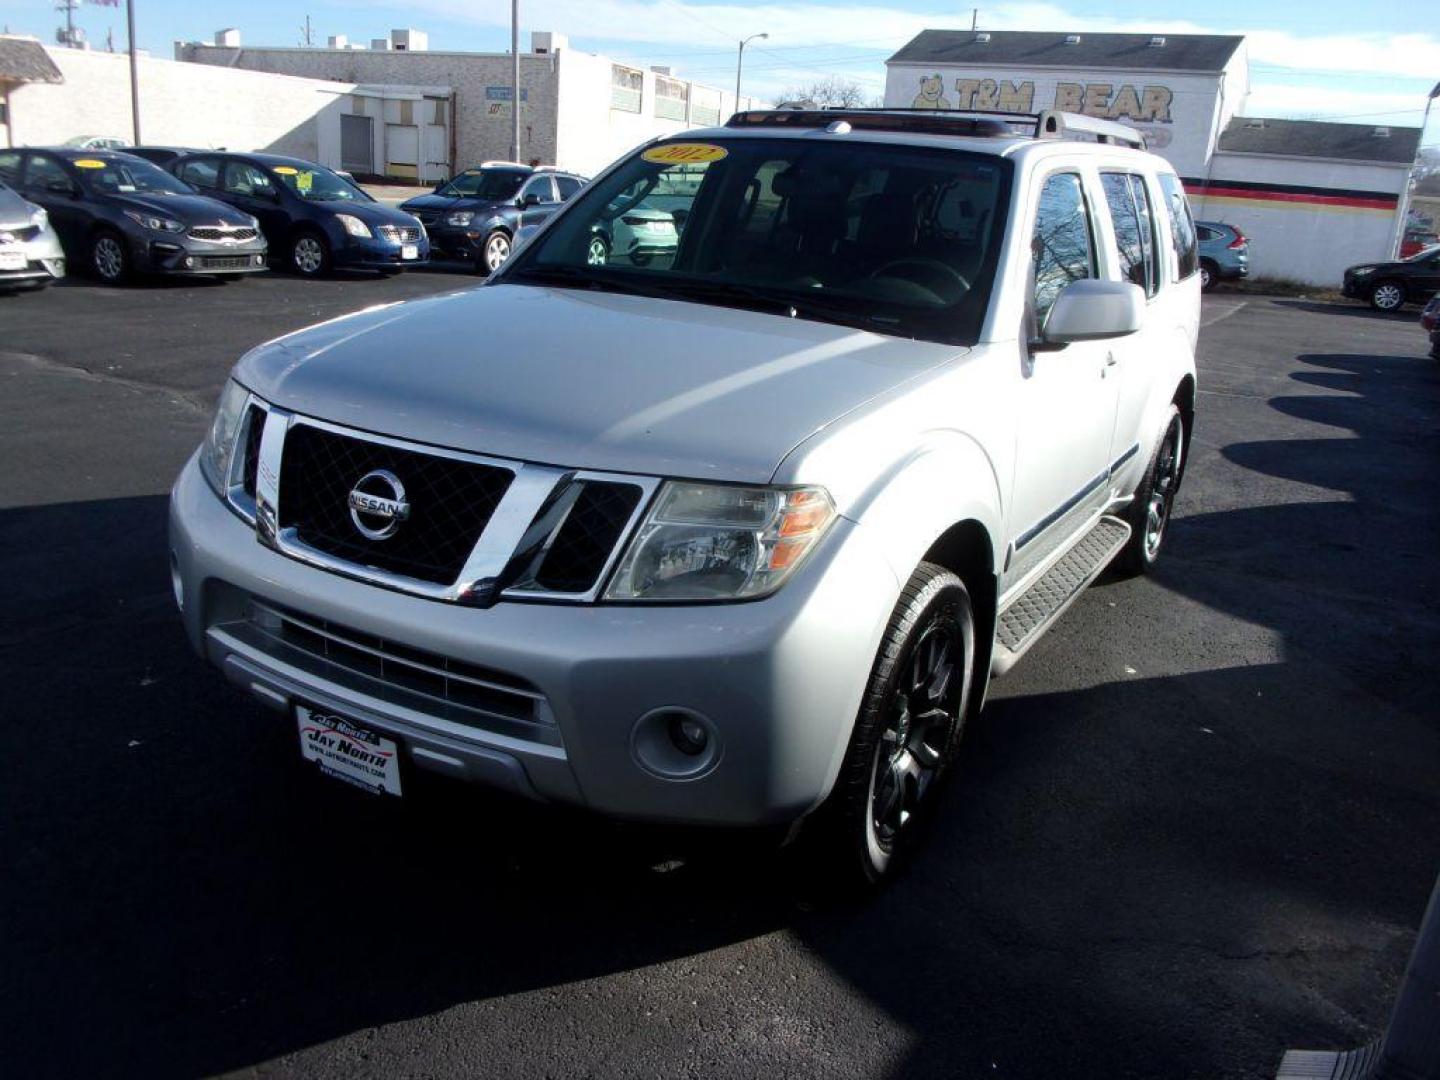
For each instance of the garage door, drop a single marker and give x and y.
(357, 144)
(402, 151)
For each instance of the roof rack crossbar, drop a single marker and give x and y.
(1054, 124)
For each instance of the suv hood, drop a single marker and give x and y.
(445, 202)
(586, 379)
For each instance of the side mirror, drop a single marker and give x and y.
(1092, 310)
(60, 186)
(530, 199)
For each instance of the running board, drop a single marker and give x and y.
(1027, 617)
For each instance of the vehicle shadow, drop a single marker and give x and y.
(1357, 309)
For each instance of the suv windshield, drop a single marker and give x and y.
(494, 184)
(317, 184)
(898, 240)
(115, 176)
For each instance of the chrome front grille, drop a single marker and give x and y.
(391, 671)
(473, 530)
(223, 234)
(401, 234)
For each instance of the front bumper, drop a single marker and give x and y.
(44, 259)
(374, 253)
(157, 254)
(455, 242)
(779, 680)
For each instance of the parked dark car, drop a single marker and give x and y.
(314, 218)
(476, 216)
(161, 155)
(1430, 323)
(1224, 253)
(117, 215)
(1389, 286)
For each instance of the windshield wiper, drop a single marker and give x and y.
(814, 307)
(584, 277)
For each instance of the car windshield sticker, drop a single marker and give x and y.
(305, 181)
(89, 163)
(286, 170)
(684, 153)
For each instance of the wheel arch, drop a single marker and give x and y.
(1184, 400)
(967, 551)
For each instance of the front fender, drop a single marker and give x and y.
(914, 498)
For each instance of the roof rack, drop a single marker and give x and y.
(1053, 124)
(1050, 124)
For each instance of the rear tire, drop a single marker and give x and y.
(1149, 515)
(1209, 275)
(905, 737)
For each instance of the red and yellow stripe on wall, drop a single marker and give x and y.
(1282, 196)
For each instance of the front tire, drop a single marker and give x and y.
(109, 258)
(1387, 296)
(1149, 515)
(494, 252)
(310, 255)
(905, 737)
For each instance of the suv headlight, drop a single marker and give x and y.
(460, 218)
(721, 542)
(353, 225)
(218, 451)
(154, 222)
(39, 218)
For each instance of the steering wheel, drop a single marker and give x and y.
(928, 267)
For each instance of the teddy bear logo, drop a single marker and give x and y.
(932, 93)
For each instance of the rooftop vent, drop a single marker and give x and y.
(1382, 133)
(339, 41)
(982, 35)
(1157, 42)
(228, 38)
(1072, 39)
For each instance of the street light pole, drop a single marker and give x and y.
(134, 78)
(515, 80)
(740, 62)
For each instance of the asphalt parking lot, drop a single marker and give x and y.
(1197, 825)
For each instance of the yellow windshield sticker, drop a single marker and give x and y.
(684, 153)
(286, 170)
(305, 181)
(88, 163)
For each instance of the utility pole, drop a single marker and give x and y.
(134, 76)
(515, 80)
(975, 18)
(740, 62)
(306, 37)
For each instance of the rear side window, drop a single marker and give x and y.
(202, 173)
(1060, 247)
(1182, 227)
(568, 185)
(242, 178)
(42, 171)
(1129, 204)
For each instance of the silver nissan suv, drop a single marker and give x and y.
(738, 535)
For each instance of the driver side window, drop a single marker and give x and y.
(541, 188)
(42, 171)
(242, 178)
(1061, 247)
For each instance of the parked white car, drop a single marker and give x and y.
(30, 252)
(738, 536)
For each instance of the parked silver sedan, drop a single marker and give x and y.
(30, 252)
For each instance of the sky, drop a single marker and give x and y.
(1321, 59)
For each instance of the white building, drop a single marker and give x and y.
(1314, 197)
(578, 110)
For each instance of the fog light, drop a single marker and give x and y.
(177, 583)
(676, 743)
(189, 260)
(259, 260)
(688, 735)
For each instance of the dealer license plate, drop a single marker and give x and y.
(409, 251)
(345, 750)
(12, 260)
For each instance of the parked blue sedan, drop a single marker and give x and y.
(314, 218)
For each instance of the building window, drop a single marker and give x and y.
(672, 98)
(626, 87)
